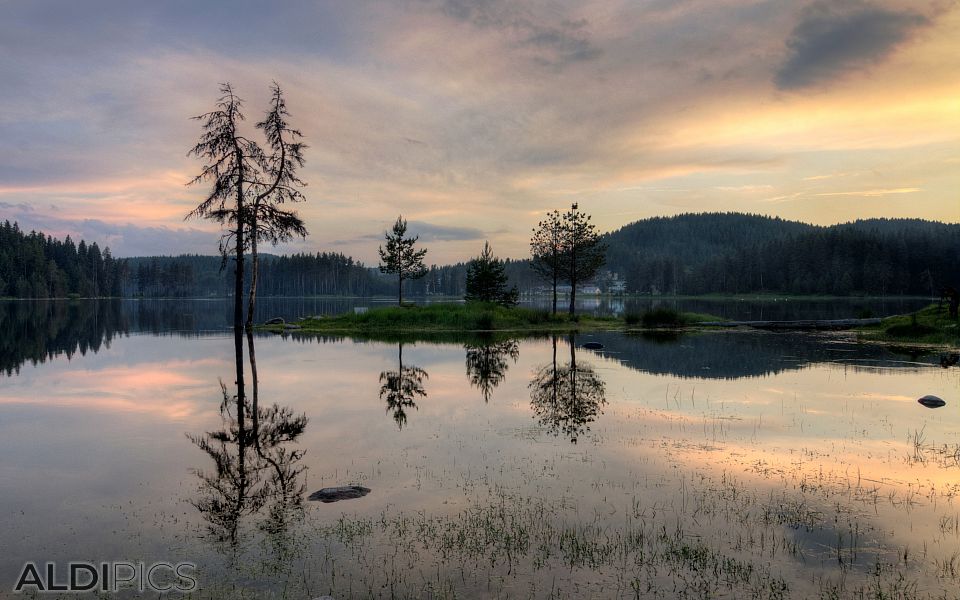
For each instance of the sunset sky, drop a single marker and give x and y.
(473, 118)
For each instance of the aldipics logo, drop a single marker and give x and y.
(107, 577)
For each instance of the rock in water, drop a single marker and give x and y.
(335, 494)
(932, 402)
(275, 321)
(592, 346)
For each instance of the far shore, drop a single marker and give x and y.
(758, 296)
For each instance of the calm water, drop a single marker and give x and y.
(722, 465)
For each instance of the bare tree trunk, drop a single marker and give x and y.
(573, 280)
(241, 420)
(553, 380)
(555, 275)
(254, 271)
(238, 283)
(399, 290)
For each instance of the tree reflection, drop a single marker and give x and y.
(487, 363)
(256, 470)
(35, 331)
(401, 388)
(567, 398)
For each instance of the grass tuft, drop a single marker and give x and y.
(930, 325)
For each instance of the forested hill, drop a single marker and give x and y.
(693, 238)
(738, 253)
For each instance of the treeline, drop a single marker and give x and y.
(736, 253)
(692, 254)
(33, 265)
(320, 274)
(300, 274)
(451, 280)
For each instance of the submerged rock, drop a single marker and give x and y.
(275, 321)
(932, 402)
(592, 345)
(335, 494)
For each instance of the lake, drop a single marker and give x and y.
(729, 464)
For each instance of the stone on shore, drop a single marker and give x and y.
(335, 494)
(932, 402)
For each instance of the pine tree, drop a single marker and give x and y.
(268, 222)
(400, 257)
(239, 167)
(487, 280)
(583, 254)
(546, 248)
(230, 165)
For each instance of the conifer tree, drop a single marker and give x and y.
(546, 248)
(268, 222)
(401, 257)
(487, 280)
(583, 254)
(230, 166)
(249, 185)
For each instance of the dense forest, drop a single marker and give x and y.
(290, 275)
(736, 253)
(726, 253)
(33, 265)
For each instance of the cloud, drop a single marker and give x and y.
(559, 44)
(477, 114)
(430, 232)
(18, 206)
(837, 37)
(123, 239)
(874, 193)
(427, 232)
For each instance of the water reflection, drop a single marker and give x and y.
(487, 363)
(36, 331)
(693, 472)
(747, 307)
(567, 398)
(256, 465)
(737, 355)
(401, 388)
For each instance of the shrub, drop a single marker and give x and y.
(662, 317)
(485, 321)
(911, 330)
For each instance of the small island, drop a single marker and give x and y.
(930, 326)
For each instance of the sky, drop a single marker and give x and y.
(472, 119)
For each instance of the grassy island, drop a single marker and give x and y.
(481, 317)
(930, 325)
